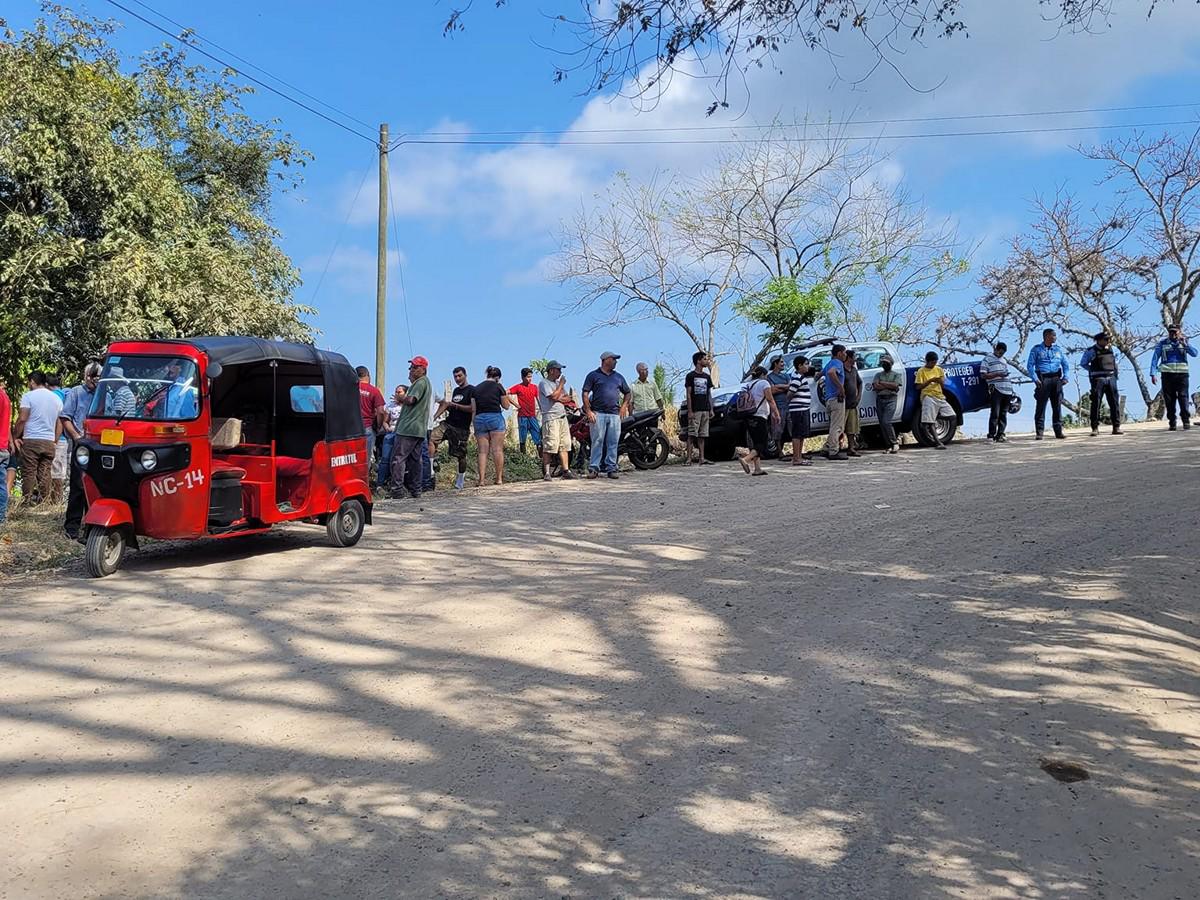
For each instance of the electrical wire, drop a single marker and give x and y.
(195, 34)
(258, 81)
(814, 124)
(788, 140)
(338, 239)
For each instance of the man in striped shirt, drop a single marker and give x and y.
(799, 392)
(994, 369)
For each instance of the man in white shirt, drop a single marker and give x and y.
(34, 435)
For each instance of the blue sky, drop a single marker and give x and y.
(476, 225)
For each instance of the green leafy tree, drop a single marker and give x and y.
(664, 384)
(134, 203)
(786, 308)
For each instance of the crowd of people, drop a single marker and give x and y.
(405, 432)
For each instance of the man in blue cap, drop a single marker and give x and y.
(605, 402)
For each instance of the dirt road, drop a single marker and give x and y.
(833, 682)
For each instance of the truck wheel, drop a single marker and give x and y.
(946, 429)
(105, 551)
(345, 527)
(654, 454)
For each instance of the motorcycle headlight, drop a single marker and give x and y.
(82, 455)
(149, 460)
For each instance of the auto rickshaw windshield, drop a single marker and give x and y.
(163, 388)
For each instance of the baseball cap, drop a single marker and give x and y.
(554, 364)
(419, 361)
(608, 354)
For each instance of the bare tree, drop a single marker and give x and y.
(642, 43)
(633, 258)
(1159, 191)
(817, 215)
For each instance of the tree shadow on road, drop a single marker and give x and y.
(694, 713)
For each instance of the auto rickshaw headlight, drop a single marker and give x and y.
(82, 455)
(149, 460)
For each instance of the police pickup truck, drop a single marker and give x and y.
(965, 390)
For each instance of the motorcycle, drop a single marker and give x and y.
(642, 440)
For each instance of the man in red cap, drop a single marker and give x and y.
(412, 428)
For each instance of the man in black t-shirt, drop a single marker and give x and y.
(458, 422)
(697, 389)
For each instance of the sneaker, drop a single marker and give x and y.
(1002, 440)
(1059, 436)
(1187, 424)
(1038, 437)
(1117, 431)
(546, 476)
(459, 481)
(1171, 427)
(592, 473)
(567, 475)
(613, 475)
(1095, 432)
(840, 455)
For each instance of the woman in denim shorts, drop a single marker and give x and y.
(489, 402)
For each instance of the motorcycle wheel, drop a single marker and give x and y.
(653, 453)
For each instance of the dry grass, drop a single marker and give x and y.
(33, 539)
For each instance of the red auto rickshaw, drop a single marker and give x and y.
(217, 437)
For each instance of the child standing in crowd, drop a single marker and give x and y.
(799, 404)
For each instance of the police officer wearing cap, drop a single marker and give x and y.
(1171, 359)
(1100, 361)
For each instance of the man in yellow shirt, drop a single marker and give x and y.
(929, 379)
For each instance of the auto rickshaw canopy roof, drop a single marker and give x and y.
(343, 416)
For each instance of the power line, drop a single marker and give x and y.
(233, 68)
(195, 34)
(338, 239)
(814, 124)
(789, 140)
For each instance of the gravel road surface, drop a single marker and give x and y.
(829, 682)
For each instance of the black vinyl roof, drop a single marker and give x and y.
(234, 351)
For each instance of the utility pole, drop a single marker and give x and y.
(381, 265)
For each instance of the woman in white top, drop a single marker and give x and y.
(756, 425)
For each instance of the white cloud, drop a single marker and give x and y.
(1011, 62)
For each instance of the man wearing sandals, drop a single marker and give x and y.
(799, 405)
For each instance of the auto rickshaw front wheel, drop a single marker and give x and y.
(105, 551)
(345, 526)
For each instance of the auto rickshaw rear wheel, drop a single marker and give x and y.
(105, 551)
(345, 526)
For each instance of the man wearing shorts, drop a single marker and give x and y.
(799, 406)
(556, 434)
(456, 430)
(930, 378)
(697, 388)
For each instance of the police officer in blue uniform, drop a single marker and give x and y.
(1049, 368)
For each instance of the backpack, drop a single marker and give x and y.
(743, 405)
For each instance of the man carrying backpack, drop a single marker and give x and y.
(834, 396)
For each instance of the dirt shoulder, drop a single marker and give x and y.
(836, 681)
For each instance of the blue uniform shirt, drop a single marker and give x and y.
(77, 405)
(1173, 353)
(1045, 360)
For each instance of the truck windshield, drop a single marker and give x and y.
(147, 387)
